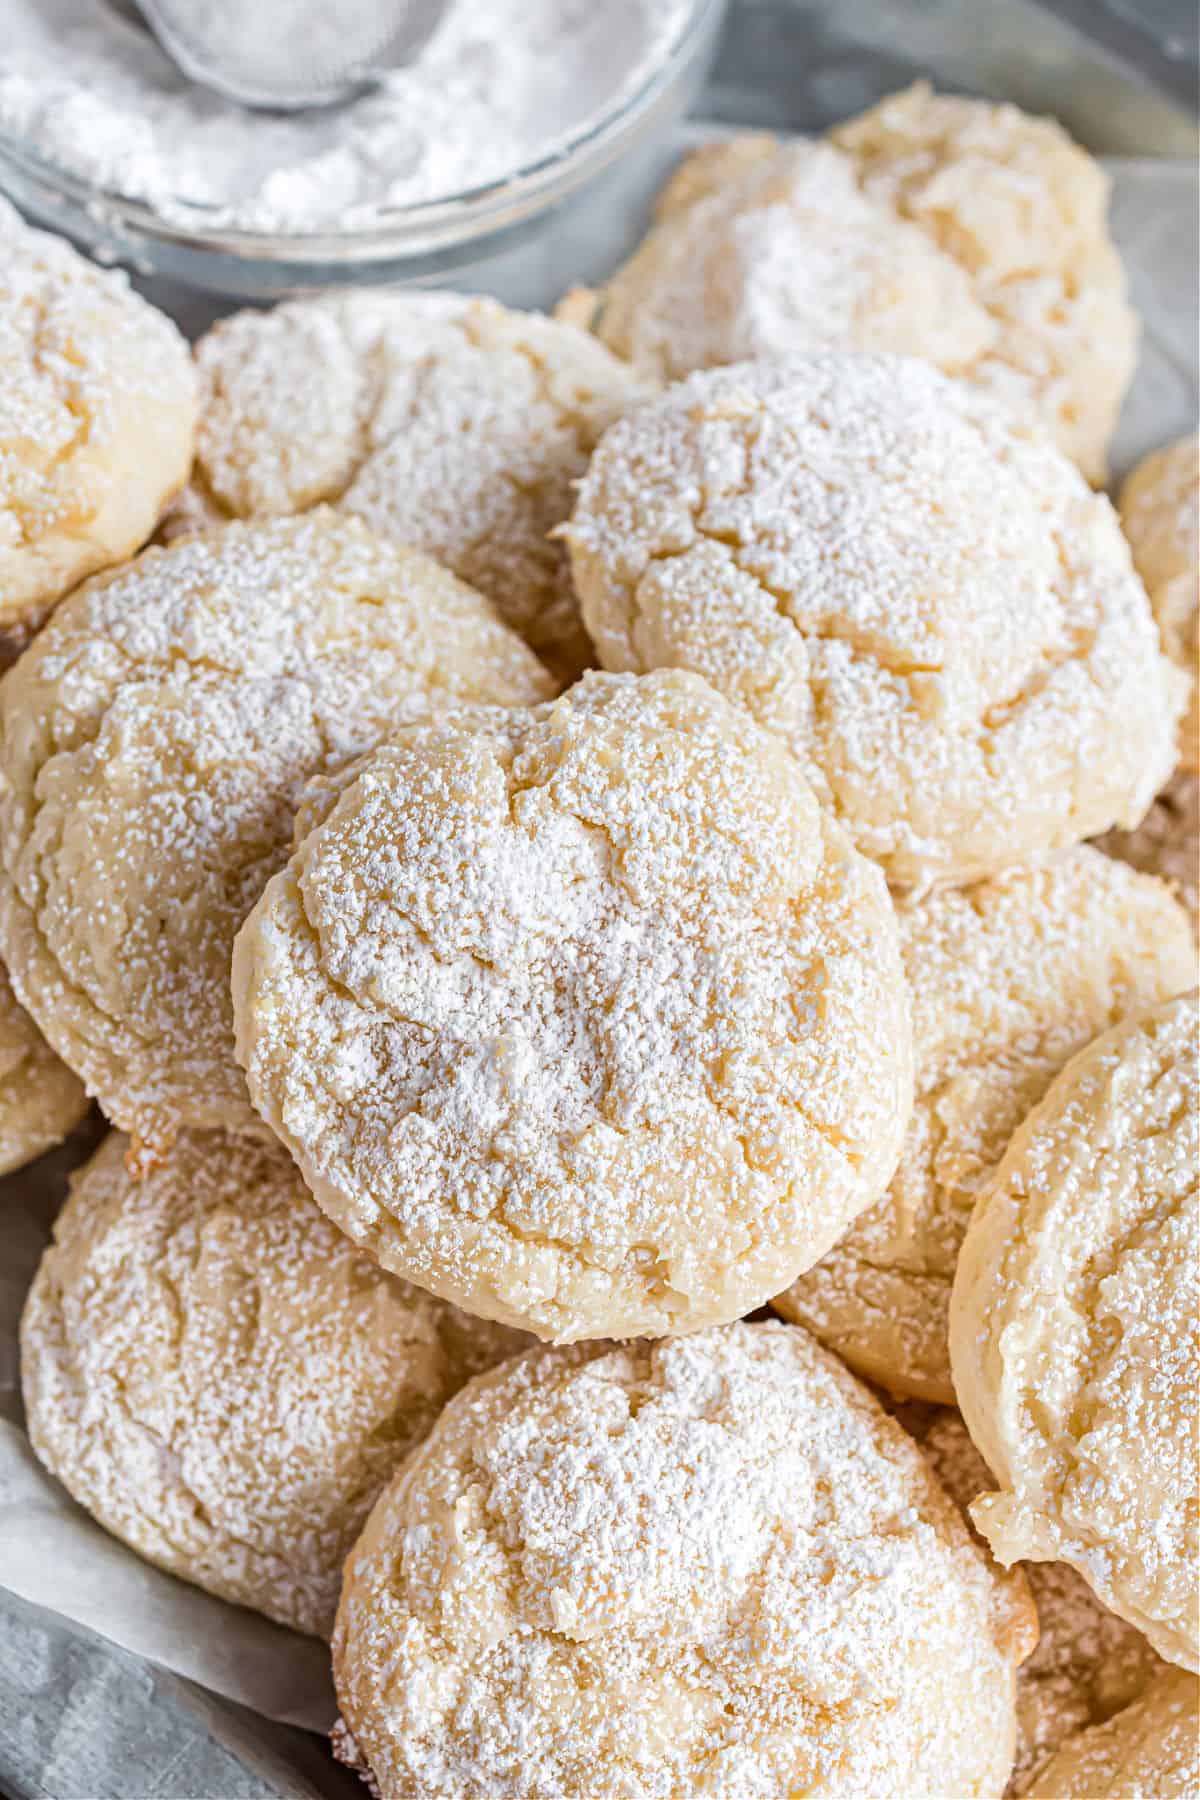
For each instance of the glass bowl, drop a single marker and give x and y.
(408, 243)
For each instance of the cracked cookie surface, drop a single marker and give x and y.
(458, 426)
(765, 249)
(155, 740)
(222, 1380)
(1073, 1330)
(1024, 211)
(918, 593)
(705, 1566)
(1008, 978)
(973, 235)
(587, 1018)
(97, 413)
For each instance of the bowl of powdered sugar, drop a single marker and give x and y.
(509, 110)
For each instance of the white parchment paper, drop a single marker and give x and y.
(50, 1551)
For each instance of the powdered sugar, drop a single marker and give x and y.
(709, 1565)
(96, 419)
(1087, 1663)
(181, 704)
(969, 234)
(1009, 978)
(1073, 1329)
(587, 1018)
(1167, 841)
(497, 88)
(1152, 1747)
(222, 1380)
(769, 253)
(1023, 209)
(459, 427)
(916, 590)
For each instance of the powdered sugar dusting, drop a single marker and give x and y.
(497, 88)
(1087, 1663)
(969, 234)
(709, 1565)
(771, 249)
(453, 425)
(1160, 515)
(588, 1020)
(921, 596)
(156, 739)
(96, 419)
(1024, 210)
(1009, 979)
(1074, 1336)
(224, 1382)
(1152, 1747)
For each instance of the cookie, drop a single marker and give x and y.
(97, 415)
(1073, 1329)
(587, 1018)
(710, 1565)
(1151, 1750)
(972, 235)
(920, 595)
(1009, 979)
(155, 739)
(1160, 515)
(1088, 1664)
(1167, 841)
(1024, 210)
(222, 1380)
(454, 425)
(765, 249)
(41, 1101)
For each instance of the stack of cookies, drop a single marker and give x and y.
(653, 1190)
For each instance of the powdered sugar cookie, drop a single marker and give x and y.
(1160, 514)
(1167, 841)
(97, 411)
(1073, 1327)
(711, 1565)
(155, 739)
(1087, 1663)
(1151, 1751)
(1024, 211)
(710, 169)
(268, 445)
(222, 1380)
(762, 249)
(920, 595)
(969, 234)
(1008, 980)
(453, 425)
(587, 1018)
(41, 1101)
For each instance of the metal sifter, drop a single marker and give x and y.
(289, 54)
